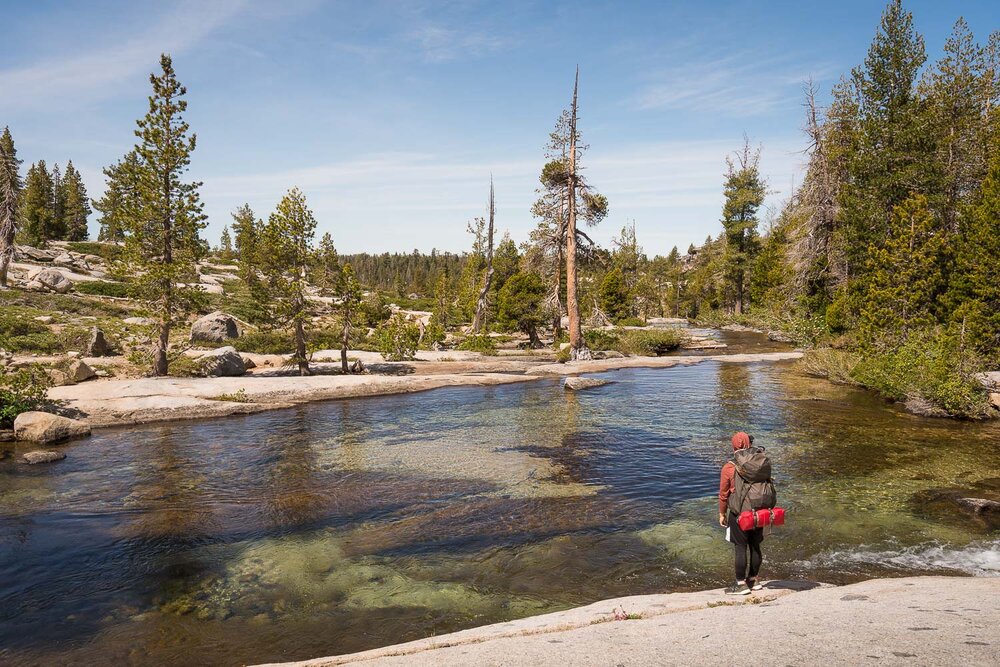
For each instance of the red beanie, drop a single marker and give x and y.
(740, 440)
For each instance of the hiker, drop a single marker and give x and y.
(745, 484)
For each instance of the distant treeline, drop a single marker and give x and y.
(405, 273)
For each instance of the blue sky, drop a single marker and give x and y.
(391, 116)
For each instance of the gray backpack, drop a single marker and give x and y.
(753, 488)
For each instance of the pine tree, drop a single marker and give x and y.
(614, 296)
(520, 305)
(886, 163)
(10, 198)
(58, 230)
(479, 320)
(246, 228)
(745, 190)
(328, 270)
(118, 199)
(903, 277)
(506, 262)
(75, 205)
(976, 278)
(286, 242)
(350, 296)
(38, 222)
(226, 245)
(163, 217)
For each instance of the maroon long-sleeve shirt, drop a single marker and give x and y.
(727, 483)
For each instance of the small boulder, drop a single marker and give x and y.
(980, 506)
(576, 383)
(217, 327)
(44, 319)
(249, 363)
(139, 321)
(98, 345)
(223, 362)
(79, 371)
(781, 337)
(995, 400)
(46, 427)
(51, 280)
(65, 259)
(42, 456)
(58, 377)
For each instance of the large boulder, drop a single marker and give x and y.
(98, 345)
(79, 371)
(223, 362)
(51, 280)
(34, 254)
(217, 327)
(782, 337)
(46, 427)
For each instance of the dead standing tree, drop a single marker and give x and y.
(480, 317)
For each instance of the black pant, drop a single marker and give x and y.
(742, 542)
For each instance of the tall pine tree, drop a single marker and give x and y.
(745, 190)
(38, 216)
(10, 198)
(75, 205)
(163, 217)
(118, 199)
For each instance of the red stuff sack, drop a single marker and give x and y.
(762, 518)
(745, 521)
(778, 516)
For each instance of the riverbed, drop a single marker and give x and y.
(344, 525)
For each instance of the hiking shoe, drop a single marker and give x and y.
(755, 585)
(738, 589)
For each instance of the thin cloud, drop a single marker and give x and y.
(439, 44)
(95, 74)
(739, 85)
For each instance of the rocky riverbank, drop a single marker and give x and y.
(911, 621)
(102, 403)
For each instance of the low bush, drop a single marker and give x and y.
(599, 339)
(108, 251)
(265, 342)
(479, 343)
(19, 332)
(631, 322)
(649, 342)
(21, 390)
(834, 365)
(396, 339)
(563, 355)
(433, 333)
(102, 288)
(930, 367)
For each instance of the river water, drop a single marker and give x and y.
(347, 525)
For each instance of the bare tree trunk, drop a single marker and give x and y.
(578, 348)
(162, 343)
(300, 345)
(345, 341)
(556, 289)
(479, 319)
(6, 251)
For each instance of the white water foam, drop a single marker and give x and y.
(980, 559)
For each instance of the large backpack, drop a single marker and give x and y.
(753, 488)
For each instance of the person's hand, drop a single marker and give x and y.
(722, 520)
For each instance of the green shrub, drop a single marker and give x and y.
(265, 342)
(599, 339)
(649, 342)
(183, 366)
(433, 333)
(563, 355)
(834, 365)
(108, 251)
(20, 333)
(930, 366)
(396, 339)
(479, 343)
(374, 310)
(21, 390)
(631, 322)
(102, 288)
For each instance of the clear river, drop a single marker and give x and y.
(347, 525)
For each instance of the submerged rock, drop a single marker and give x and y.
(217, 327)
(42, 456)
(576, 384)
(46, 427)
